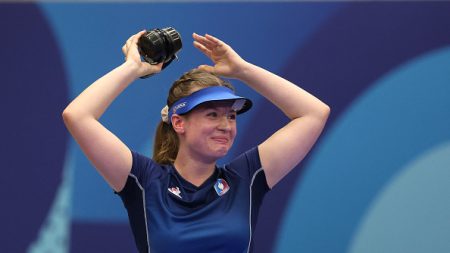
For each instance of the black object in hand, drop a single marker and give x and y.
(160, 45)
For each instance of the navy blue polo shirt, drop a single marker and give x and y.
(168, 214)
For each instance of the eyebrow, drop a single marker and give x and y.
(216, 104)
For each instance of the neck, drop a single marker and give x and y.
(195, 171)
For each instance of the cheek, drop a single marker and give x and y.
(196, 132)
(233, 134)
(234, 129)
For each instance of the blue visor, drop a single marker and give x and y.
(214, 93)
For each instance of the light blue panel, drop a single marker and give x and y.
(91, 37)
(412, 213)
(404, 114)
(53, 237)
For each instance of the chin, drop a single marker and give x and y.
(221, 152)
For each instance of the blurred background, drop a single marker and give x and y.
(378, 180)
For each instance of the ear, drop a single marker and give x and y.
(178, 123)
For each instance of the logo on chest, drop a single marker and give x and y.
(221, 187)
(175, 191)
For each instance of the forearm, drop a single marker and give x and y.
(95, 99)
(288, 97)
(109, 155)
(284, 149)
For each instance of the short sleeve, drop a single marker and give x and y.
(142, 170)
(141, 166)
(133, 196)
(248, 166)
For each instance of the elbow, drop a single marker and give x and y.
(73, 117)
(323, 112)
(65, 113)
(326, 111)
(68, 116)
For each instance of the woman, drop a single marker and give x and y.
(179, 201)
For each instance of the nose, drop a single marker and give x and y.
(225, 124)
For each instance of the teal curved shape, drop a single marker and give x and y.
(412, 213)
(405, 113)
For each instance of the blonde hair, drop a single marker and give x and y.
(166, 143)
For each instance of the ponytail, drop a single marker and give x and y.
(165, 148)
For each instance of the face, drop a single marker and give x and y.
(209, 130)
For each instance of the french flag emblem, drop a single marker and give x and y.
(221, 187)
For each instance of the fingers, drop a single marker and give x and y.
(206, 68)
(127, 43)
(202, 48)
(214, 39)
(135, 38)
(132, 41)
(207, 41)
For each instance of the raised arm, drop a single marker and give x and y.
(287, 147)
(109, 155)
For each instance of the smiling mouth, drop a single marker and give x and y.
(221, 140)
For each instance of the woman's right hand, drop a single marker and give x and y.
(132, 57)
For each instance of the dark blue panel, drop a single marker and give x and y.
(106, 237)
(33, 94)
(357, 46)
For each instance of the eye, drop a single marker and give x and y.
(231, 116)
(212, 114)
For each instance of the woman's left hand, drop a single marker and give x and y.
(226, 61)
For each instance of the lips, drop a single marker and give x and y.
(221, 139)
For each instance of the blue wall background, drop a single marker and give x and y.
(377, 181)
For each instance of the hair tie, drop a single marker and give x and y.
(165, 114)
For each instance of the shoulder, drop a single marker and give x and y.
(143, 172)
(246, 164)
(145, 168)
(248, 158)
